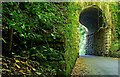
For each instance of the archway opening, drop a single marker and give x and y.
(91, 19)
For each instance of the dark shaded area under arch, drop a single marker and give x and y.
(91, 18)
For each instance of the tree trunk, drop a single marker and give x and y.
(10, 40)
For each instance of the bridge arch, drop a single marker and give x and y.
(92, 18)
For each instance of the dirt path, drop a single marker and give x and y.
(80, 68)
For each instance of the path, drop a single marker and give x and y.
(95, 65)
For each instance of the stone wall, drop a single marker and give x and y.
(99, 42)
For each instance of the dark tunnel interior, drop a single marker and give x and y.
(91, 18)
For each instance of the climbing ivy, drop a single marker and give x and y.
(115, 29)
(42, 38)
(39, 37)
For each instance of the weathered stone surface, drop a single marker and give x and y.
(98, 38)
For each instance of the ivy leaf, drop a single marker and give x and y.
(33, 69)
(17, 61)
(17, 65)
(38, 73)
(52, 34)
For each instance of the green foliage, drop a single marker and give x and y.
(115, 54)
(45, 33)
(43, 37)
(115, 29)
(114, 47)
(72, 36)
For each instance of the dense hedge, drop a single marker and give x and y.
(41, 38)
(72, 36)
(115, 15)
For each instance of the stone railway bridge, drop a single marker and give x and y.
(102, 25)
(99, 29)
(97, 18)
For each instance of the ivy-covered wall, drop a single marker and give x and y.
(72, 36)
(115, 29)
(45, 33)
(111, 13)
(42, 38)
